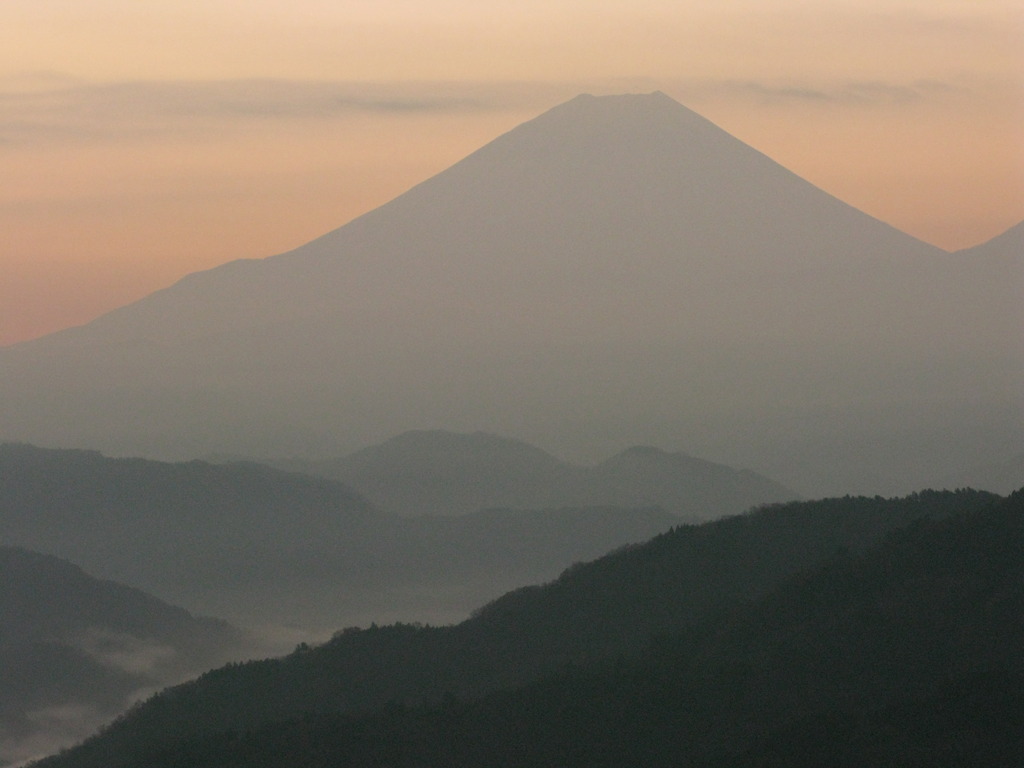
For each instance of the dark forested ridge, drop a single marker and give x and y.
(436, 472)
(74, 644)
(743, 641)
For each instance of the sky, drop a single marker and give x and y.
(143, 141)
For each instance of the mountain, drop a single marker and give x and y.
(436, 472)
(900, 656)
(75, 651)
(1004, 472)
(262, 547)
(618, 271)
(686, 485)
(726, 602)
(217, 538)
(1008, 246)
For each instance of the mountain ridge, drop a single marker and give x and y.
(440, 472)
(76, 651)
(616, 271)
(733, 601)
(276, 550)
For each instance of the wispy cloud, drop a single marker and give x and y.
(125, 652)
(40, 108)
(865, 93)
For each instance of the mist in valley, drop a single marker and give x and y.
(571, 400)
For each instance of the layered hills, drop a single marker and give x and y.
(263, 546)
(75, 651)
(435, 472)
(847, 631)
(199, 535)
(618, 271)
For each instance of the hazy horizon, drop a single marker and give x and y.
(675, 350)
(618, 270)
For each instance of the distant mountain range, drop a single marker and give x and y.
(202, 536)
(435, 472)
(75, 651)
(263, 546)
(841, 632)
(618, 271)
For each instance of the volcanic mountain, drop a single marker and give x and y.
(617, 271)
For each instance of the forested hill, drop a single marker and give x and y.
(758, 620)
(75, 650)
(905, 655)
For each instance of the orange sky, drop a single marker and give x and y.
(142, 141)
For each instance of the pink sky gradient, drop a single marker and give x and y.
(142, 142)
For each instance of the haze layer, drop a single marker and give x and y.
(617, 271)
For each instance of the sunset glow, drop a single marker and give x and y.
(142, 142)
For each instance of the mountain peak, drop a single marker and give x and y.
(632, 123)
(617, 268)
(616, 100)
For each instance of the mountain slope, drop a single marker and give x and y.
(434, 472)
(201, 535)
(999, 477)
(692, 576)
(445, 473)
(75, 650)
(261, 546)
(686, 485)
(900, 654)
(617, 271)
(1009, 245)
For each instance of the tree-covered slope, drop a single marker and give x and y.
(706, 591)
(74, 650)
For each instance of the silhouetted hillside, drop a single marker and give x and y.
(74, 650)
(906, 655)
(743, 647)
(447, 473)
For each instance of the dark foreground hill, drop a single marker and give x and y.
(262, 546)
(708, 644)
(75, 651)
(435, 472)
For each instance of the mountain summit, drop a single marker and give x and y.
(616, 271)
